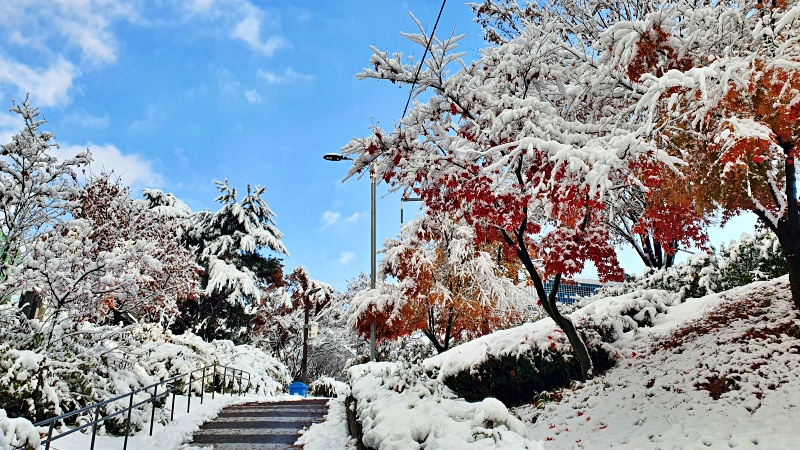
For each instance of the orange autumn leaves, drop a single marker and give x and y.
(439, 298)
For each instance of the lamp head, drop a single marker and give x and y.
(335, 157)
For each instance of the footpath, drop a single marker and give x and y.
(260, 426)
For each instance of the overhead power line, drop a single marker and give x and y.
(422, 61)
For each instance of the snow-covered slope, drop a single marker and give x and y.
(722, 371)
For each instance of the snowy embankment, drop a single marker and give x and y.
(715, 372)
(718, 371)
(400, 407)
(623, 316)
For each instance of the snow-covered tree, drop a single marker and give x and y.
(229, 244)
(666, 214)
(34, 189)
(73, 277)
(500, 143)
(448, 286)
(302, 300)
(166, 274)
(719, 86)
(227, 238)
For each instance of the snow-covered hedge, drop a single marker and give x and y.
(328, 387)
(16, 433)
(518, 363)
(400, 406)
(81, 364)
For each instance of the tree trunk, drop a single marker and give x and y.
(551, 307)
(793, 262)
(788, 227)
(575, 339)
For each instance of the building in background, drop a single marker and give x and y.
(570, 291)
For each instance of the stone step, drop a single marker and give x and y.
(260, 426)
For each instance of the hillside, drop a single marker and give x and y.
(716, 372)
(719, 371)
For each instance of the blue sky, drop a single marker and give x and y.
(176, 94)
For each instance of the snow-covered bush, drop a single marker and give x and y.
(396, 402)
(85, 364)
(328, 387)
(17, 433)
(752, 258)
(515, 365)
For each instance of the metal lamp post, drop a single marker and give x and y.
(306, 307)
(373, 249)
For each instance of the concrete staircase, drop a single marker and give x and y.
(260, 426)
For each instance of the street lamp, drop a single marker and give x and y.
(373, 249)
(306, 307)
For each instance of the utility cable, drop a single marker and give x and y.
(422, 61)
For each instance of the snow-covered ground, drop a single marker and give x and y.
(717, 372)
(714, 372)
(172, 435)
(722, 371)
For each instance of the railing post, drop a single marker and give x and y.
(50, 434)
(189, 394)
(94, 426)
(224, 378)
(214, 389)
(172, 411)
(203, 385)
(241, 374)
(128, 424)
(153, 408)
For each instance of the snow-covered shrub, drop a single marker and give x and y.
(22, 374)
(752, 258)
(519, 378)
(85, 364)
(515, 365)
(17, 433)
(698, 276)
(396, 402)
(328, 387)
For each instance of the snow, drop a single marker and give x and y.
(330, 434)
(542, 335)
(175, 435)
(662, 397)
(717, 371)
(400, 407)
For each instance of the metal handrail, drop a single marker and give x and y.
(50, 423)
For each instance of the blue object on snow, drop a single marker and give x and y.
(298, 388)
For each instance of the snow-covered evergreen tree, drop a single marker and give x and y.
(229, 245)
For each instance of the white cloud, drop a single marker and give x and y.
(330, 218)
(288, 76)
(346, 257)
(85, 24)
(198, 6)
(153, 117)
(86, 120)
(98, 46)
(249, 31)
(355, 217)
(132, 169)
(47, 87)
(252, 96)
